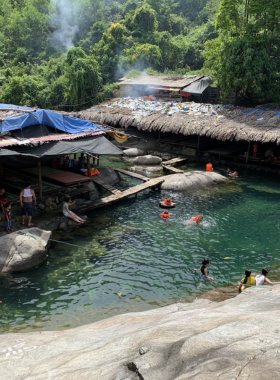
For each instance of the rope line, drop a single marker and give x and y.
(57, 241)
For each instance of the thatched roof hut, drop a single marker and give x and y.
(228, 123)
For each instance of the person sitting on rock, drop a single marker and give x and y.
(68, 213)
(204, 270)
(261, 278)
(249, 280)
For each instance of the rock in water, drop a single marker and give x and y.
(21, 252)
(148, 160)
(133, 152)
(234, 339)
(192, 181)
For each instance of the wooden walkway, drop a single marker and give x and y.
(171, 169)
(132, 174)
(176, 160)
(105, 185)
(122, 195)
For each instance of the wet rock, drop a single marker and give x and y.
(22, 252)
(192, 181)
(48, 202)
(143, 350)
(57, 200)
(133, 152)
(147, 169)
(62, 226)
(41, 206)
(148, 160)
(198, 340)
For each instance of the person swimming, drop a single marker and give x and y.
(248, 280)
(196, 219)
(261, 278)
(204, 270)
(165, 215)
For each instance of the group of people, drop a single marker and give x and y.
(250, 279)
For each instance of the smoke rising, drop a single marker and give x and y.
(65, 23)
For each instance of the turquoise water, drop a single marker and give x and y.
(129, 250)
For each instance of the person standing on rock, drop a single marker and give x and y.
(27, 200)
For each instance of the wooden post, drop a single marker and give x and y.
(198, 141)
(1, 166)
(60, 162)
(247, 158)
(88, 166)
(75, 156)
(40, 179)
(98, 158)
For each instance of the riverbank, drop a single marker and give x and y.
(237, 338)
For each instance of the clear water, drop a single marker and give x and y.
(129, 250)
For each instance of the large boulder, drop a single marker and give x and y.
(109, 175)
(148, 160)
(192, 181)
(20, 252)
(204, 340)
(133, 152)
(146, 169)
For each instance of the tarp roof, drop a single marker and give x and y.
(91, 145)
(61, 122)
(197, 88)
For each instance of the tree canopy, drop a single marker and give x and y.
(67, 54)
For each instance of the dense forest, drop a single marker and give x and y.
(68, 54)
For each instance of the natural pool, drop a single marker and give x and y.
(129, 250)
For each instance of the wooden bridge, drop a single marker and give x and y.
(152, 183)
(167, 164)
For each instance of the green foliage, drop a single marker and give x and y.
(84, 80)
(144, 20)
(245, 57)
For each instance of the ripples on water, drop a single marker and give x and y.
(129, 250)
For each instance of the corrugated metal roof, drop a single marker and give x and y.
(9, 140)
(177, 81)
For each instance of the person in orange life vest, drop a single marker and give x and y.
(165, 215)
(209, 167)
(93, 172)
(196, 219)
(234, 174)
(168, 202)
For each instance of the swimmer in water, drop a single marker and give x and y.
(261, 278)
(165, 215)
(197, 219)
(204, 270)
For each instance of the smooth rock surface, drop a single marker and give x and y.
(147, 160)
(20, 252)
(238, 339)
(192, 181)
(146, 169)
(133, 152)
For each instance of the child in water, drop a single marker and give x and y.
(204, 270)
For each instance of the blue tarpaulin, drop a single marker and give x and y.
(52, 119)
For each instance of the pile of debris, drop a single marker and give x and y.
(144, 106)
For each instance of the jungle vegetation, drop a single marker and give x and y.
(68, 54)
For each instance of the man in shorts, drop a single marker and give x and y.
(26, 198)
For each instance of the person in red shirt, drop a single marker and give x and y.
(8, 218)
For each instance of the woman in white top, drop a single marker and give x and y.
(68, 213)
(261, 278)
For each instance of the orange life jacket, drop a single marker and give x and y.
(196, 219)
(92, 172)
(169, 202)
(165, 215)
(165, 201)
(209, 168)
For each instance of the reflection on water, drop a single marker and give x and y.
(130, 251)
